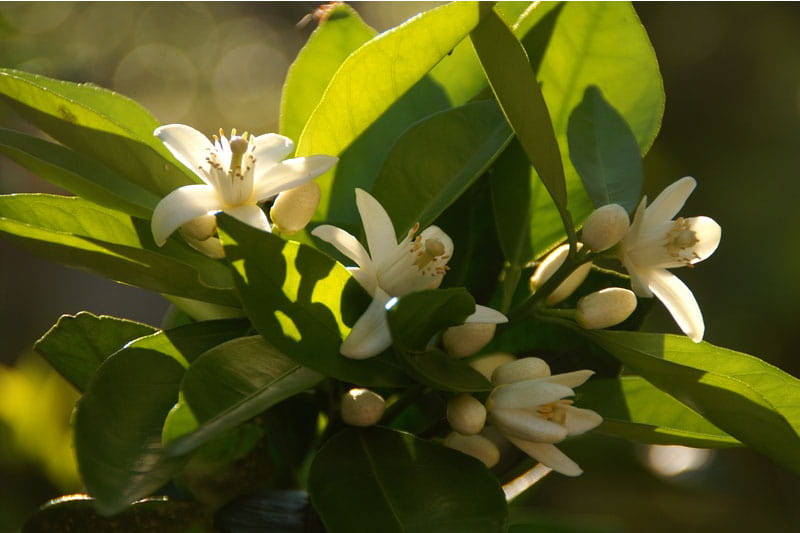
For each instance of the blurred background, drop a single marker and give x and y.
(732, 78)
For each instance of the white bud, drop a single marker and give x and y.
(466, 414)
(605, 227)
(486, 364)
(605, 308)
(362, 407)
(550, 265)
(293, 209)
(477, 446)
(520, 370)
(200, 228)
(467, 339)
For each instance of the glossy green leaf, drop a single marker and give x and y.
(746, 397)
(77, 173)
(634, 409)
(76, 345)
(119, 419)
(303, 302)
(395, 482)
(84, 235)
(604, 152)
(414, 321)
(387, 66)
(436, 160)
(100, 124)
(339, 34)
(235, 381)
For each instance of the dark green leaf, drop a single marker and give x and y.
(746, 397)
(76, 345)
(605, 152)
(189, 341)
(394, 482)
(303, 302)
(634, 409)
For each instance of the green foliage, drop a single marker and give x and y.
(395, 482)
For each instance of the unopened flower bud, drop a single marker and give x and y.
(477, 446)
(200, 228)
(520, 370)
(487, 364)
(362, 407)
(605, 308)
(550, 265)
(467, 339)
(605, 227)
(465, 414)
(293, 209)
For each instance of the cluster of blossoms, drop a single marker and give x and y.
(529, 407)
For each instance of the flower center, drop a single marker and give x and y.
(239, 146)
(429, 253)
(554, 411)
(681, 238)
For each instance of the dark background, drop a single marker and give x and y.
(732, 79)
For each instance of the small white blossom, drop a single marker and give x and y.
(550, 266)
(605, 227)
(465, 414)
(362, 407)
(656, 242)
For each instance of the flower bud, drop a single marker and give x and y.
(521, 369)
(550, 265)
(487, 364)
(605, 308)
(467, 339)
(200, 228)
(362, 407)
(465, 414)
(477, 446)
(605, 227)
(293, 209)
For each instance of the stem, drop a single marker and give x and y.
(511, 278)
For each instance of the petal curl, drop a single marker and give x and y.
(378, 227)
(486, 315)
(270, 180)
(678, 300)
(521, 424)
(188, 146)
(250, 214)
(670, 201)
(580, 421)
(345, 243)
(370, 334)
(570, 379)
(271, 148)
(550, 456)
(179, 207)
(527, 394)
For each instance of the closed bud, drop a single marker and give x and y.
(605, 308)
(200, 228)
(605, 227)
(362, 407)
(477, 446)
(293, 209)
(467, 339)
(550, 265)
(520, 370)
(486, 364)
(465, 414)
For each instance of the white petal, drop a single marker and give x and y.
(549, 455)
(271, 148)
(435, 232)
(365, 277)
(580, 421)
(486, 315)
(570, 379)
(345, 243)
(708, 234)
(638, 284)
(522, 424)
(251, 215)
(636, 226)
(179, 207)
(270, 180)
(678, 300)
(527, 394)
(370, 334)
(670, 201)
(378, 227)
(188, 145)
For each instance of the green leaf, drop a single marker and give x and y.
(119, 419)
(303, 302)
(415, 319)
(746, 397)
(339, 34)
(77, 173)
(395, 482)
(76, 345)
(235, 381)
(84, 235)
(436, 160)
(103, 125)
(514, 84)
(387, 66)
(634, 409)
(605, 152)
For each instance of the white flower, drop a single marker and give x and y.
(236, 173)
(656, 242)
(529, 409)
(391, 269)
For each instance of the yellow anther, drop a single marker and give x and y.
(433, 248)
